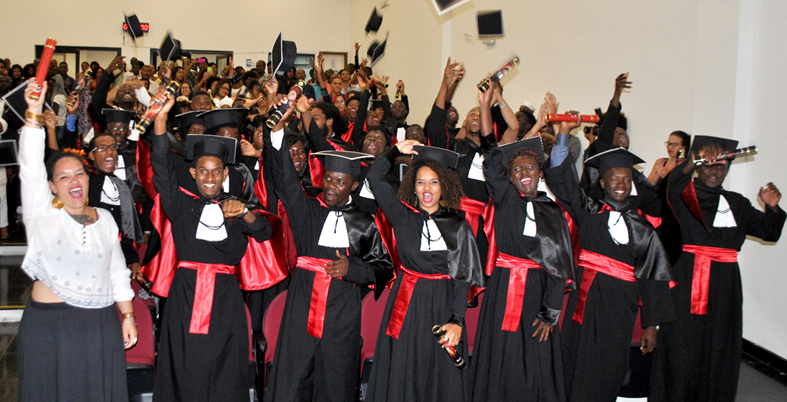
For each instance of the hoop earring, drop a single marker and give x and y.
(57, 202)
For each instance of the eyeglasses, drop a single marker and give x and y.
(672, 144)
(122, 129)
(105, 148)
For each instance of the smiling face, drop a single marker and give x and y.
(472, 123)
(209, 173)
(428, 189)
(616, 183)
(104, 154)
(336, 84)
(336, 188)
(525, 174)
(70, 183)
(185, 89)
(352, 108)
(712, 175)
(373, 118)
(126, 96)
(298, 156)
(223, 90)
(374, 144)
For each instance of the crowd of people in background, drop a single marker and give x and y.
(340, 195)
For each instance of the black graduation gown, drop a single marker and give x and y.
(214, 366)
(97, 179)
(414, 367)
(698, 356)
(306, 367)
(514, 366)
(468, 150)
(595, 353)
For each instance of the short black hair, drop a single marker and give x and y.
(340, 123)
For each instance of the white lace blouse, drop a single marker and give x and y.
(83, 265)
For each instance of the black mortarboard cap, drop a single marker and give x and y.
(726, 144)
(283, 54)
(198, 145)
(376, 50)
(444, 6)
(134, 27)
(15, 101)
(442, 156)
(490, 23)
(615, 157)
(188, 119)
(375, 20)
(217, 118)
(377, 104)
(9, 154)
(343, 161)
(118, 115)
(170, 49)
(534, 144)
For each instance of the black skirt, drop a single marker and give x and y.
(69, 353)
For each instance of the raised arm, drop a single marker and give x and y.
(386, 198)
(36, 195)
(435, 126)
(606, 133)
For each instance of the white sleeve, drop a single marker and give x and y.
(276, 139)
(3, 124)
(119, 274)
(36, 195)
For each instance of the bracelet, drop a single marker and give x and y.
(35, 123)
(128, 315)
(35, 116)
(245, 212)
(502, 105)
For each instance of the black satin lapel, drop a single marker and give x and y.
(464, 263)
(553, 249)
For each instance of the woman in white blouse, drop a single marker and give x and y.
(71, 342)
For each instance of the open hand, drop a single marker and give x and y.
(543, 330)
(338, 268)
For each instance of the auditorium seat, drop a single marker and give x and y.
(471, 322)
(371, 318)
(271, 323)
(141, 359)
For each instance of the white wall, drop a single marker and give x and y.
(759, 120)
(248, 28)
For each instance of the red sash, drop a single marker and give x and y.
(517, 280)
(409, 278)
(203, 293)
(322, 282)
(700, 282)
(474, 209)
(593, 264)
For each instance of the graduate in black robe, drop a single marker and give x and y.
(622, 262)
(109, 192)
(698, 358)
(439, 263)
(204, 347)
(517, 354)
(339, 250)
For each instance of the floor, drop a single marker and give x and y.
(758, 382)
